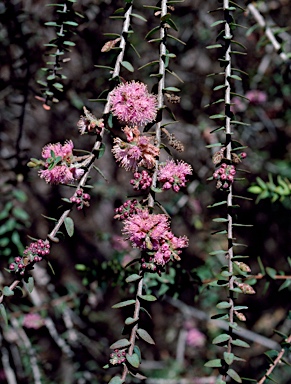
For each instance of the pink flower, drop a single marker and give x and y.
(132, 104)
(33, 320)
(60, 174)
(151, 232)
(64, 151)
(58, 164)
(195, 338)
(141, 180)
(145, 229)
(138, 152)
(173, 175)
(256, 96)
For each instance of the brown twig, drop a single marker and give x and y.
(275, 363)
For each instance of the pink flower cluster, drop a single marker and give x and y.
(32, 254)
(137, 152)
(141, 180)
(132, 104)
(151, 232)
(173, 175)
(256, 96)
(126, 209)
(81, 199)
(225, 174)
(195, 338)
(118, 356)
(33, 320)
(58, 164)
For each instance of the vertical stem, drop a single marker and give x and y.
(228, 156)
(161, 86)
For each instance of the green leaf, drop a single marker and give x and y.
(234, 375)
(30, 284)
(214, 46)
(127, 66)
(71, 23)
(217, 204)
(171, 89)
(139, 17)
(3, 313)
(223, 305)
(240, 343)
(7, 291)
(271, 272)
(133, 277)
(20, 214)
(215, 363)
(69, 43)
(122, 343)
(220, 220)
(101, 151)
(130, 320)
(175, 38)
(221, 339)
(123, 304)
(133, 360)
(69, 225)
(228, 357)
(148, 297)
(116, 380)
(255, 189)
(143, 334)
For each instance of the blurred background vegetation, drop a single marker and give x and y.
(72, 345)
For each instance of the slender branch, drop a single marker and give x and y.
(269, 33)
(228, 134)
(275, 363)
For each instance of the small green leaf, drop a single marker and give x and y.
(223, 305)
(122, 343)
(71, 23)
(221, 338)
(101, 151)
(133, 277)
(7, 291)
(234, 375)
(214, 46)
(3, 313)
(130, 320)
(148, 297)
(70, 43)
(271, 272)
(220, 220)
(116, 380)
(145, 336)
(127, 66)
(139, 17)
(215, 363)
(69, 224)
(171, 89)
(133, 360)
(228, 357)
(30, 284)
(240, 343)
(123, 304)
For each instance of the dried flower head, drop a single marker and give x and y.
(132, 104)
(138, 152)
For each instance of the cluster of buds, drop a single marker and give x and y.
(118, 356)
(141, 180)
(149, 266)
(126, 209)
(81, 199)
(224, 176)
(89, 123)
(32, 254)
